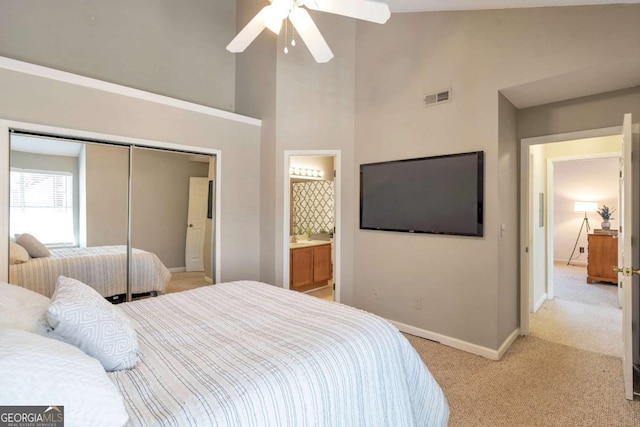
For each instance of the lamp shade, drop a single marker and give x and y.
(585, 207)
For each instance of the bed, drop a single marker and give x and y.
(246, 354)
(104, 268)
(234, 354)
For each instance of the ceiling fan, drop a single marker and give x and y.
(273, 15)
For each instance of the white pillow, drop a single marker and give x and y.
(23, 309)
(34, 246)
(81, 316)
(38, 371)
(17, 254)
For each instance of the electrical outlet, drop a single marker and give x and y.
(376, 294)
(417, 303)
(581, 250)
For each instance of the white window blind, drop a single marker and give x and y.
(42, 205)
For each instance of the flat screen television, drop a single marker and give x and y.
(438, 195)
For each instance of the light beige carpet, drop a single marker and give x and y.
(537, 383)
(185, 281)
(588, 327)
(581, 315)
(570, 283)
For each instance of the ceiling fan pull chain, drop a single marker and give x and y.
(286, 35)
(293, 37)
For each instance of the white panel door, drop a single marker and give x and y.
(196, 222)
(625, 256)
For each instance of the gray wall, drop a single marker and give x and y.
(256, 97)
(39, 100)
(160, 201)
(303, 105)
(590, 112)
(508, 254)
(161, 46)
(316, 110)
(107, 194)
(476, 53)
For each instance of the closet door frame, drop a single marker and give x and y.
(6, 126)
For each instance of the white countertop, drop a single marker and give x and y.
(308, 243)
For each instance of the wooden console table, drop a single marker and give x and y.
(603, 255)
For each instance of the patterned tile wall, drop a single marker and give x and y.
(313, 206)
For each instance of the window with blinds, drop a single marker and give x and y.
(42, 205)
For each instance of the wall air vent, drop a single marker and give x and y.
(437, 97)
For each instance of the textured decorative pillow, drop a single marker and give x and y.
(35, 248)
(42, 371)
(23, 309)
(17, 254)
(80, 316)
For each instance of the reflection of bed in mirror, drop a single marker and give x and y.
(84, 195)
(104, 268)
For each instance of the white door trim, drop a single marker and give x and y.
(525, 217)
(336, 154)
(7, 125)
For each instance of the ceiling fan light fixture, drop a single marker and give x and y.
(300, 19)
(282, 7)
(274, 25)
(272, 16)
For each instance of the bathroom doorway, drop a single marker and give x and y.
(311, 223)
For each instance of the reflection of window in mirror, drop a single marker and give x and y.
(71, 199)
(42, 205)
(44, 189)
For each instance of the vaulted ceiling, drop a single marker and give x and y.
(397, 6)
(599, 79)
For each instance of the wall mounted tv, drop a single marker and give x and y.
(438, 195)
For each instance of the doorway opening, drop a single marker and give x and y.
(541, 260)
(579, 305)
(311, 223)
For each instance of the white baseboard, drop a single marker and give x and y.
(582, 263)
(459, 344)
(177, 270)
(208, 279)
(507, 343)
(539, 303)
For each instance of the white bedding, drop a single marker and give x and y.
(250, 354)
(104, 268)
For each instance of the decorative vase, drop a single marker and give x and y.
(606, 225)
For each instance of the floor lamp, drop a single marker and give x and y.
(582, 207)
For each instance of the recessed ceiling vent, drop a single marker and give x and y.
(438, 97)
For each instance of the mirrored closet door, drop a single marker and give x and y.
(169, 207)
(128, 221)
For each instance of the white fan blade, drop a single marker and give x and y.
(249, 32)
(372, 11)
(310, 34)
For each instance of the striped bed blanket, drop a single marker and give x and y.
(104, 268)
(249, 354)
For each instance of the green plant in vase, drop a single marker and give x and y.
(605, 213)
